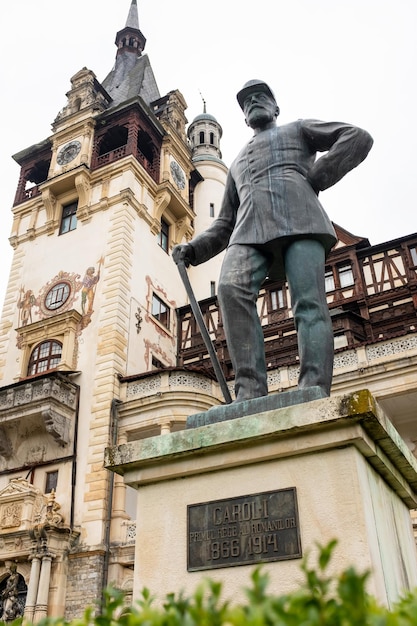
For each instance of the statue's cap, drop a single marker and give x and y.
(250, 87)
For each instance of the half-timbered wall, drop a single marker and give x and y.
(371, 292)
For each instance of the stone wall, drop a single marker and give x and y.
(84, 584)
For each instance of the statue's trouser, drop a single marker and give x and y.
(243, 271)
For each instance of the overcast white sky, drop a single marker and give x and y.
(345, 60)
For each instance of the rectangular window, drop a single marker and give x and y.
(346, 276)
(212, 288)
(68, 218)
(160, 311)
(413, 252)
(163, 235)
(329, 281)
(211, 209)
(157, 364)
(277, 299)
(51, 481)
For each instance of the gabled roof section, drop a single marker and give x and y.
(132, 74)
(345, 238)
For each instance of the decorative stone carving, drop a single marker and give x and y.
(274, 378)
(10, 515)
(185, 379)
(57, 425)
(28, 410)
(346, 359)
(143, 387)
(11, 606)
(22, 506)
(85, 92)
(389, 348)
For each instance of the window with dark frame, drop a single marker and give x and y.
(413, 252)
(45, 356)
(329, 280)
(212, 288)
(57, 295)
(160, 311)
(157, 364)
(346, 275)
(277, 299)
(202, 136)
(51, 481)
(68, 218)
(163, 235)
(211, 209)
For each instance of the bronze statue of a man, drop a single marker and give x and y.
(273, 225)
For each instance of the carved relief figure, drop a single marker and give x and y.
(11, 515)
(9, 595)
(52, 515)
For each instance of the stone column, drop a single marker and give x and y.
(32, 588)
(166, 426)
(41, 608)
(119, 515)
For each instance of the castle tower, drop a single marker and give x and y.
(204, 134)
(91, 306)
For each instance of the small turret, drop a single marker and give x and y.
(204, 134)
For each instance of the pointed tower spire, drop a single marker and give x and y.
(132, 74)
(130, 39)
(133, 18)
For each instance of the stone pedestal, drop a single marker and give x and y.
(348, 471)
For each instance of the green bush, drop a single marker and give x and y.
(321, 600)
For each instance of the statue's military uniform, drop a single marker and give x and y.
(273, 224)
(271, 188)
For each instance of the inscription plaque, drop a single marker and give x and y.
(239, 531)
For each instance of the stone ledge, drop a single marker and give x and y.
(352, 419)
(257, 405)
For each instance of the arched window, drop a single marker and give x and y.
(212, 138)
(45, 356)
(202, 136)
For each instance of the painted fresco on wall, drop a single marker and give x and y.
(25, 303)
(64, 292)
(89, 283)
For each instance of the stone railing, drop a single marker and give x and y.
(29, 391)
(51, 401)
